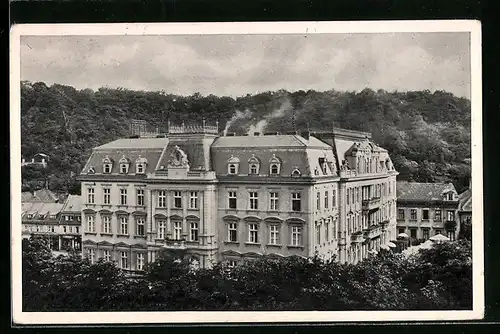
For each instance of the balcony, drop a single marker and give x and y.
(384, 223)
(370, 204)
(357, 237)
(450, 225)
(372, 232)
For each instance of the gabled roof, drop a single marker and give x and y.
(39, 209)
(415, 191)
(42, 195)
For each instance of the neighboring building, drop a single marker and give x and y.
(427, 209)
(38, 159)
(234, 198)
(71, 224)
(465, 209)
(39, 196)
(45, 220)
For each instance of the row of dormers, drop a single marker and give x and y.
(254, 166)
(124, 163)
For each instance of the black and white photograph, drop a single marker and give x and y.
(206, 172)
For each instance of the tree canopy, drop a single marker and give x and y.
(427, 133)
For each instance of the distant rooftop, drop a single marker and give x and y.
(39, 196)
(135, 143)
(415, 191)
(268, 141)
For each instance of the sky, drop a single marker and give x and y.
(237, 65)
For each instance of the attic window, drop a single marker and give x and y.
(29, 216)
(253, 165)
(450, 196)
(140, 165)
(275, 165)
(124, 165)
(233, 165)
(91, 170)
(107, 165)
(52, 216)
(296, 172)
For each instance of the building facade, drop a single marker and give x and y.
(427, 209)
(49, 221)
(234, 198)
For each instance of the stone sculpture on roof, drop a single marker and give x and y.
(178, 158)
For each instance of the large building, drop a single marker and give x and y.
(234, 198)
(427, 209)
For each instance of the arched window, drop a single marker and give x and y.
(140, 165)
(107, 165)
(124, 165)
(296, 172)
(233, 165)
(274, 165)
(253, 165)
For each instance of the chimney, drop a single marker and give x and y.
(305, 134)
(256, 133)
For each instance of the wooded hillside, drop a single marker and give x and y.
(427, 133)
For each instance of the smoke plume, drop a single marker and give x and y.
(261, 125)
(238, 115)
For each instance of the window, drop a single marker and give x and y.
(106, 224)
(296, 173)
(425, 214)
(318, 234)
(253, 233)
(232, 169)
(296, 236)
(296, 202)
(334, 202)
(140, 197)
(450, 215)
(123, 196)
(162, 229)
(232, 263)
(193, 231)
(413, 214)
(177, 230)
(273, 204)
(124, 168)
(274, 235)
(232, 232)
(318, 201)
(451, 235)
(77, 229)
(425, 233)
(79, 218)
(348, 195)
(139, 169)
(90, 224)
(352, 196)
(401, 230)
(162, 199)
(450, 196)
(274, 169)
(177, 199)
(357, 194)
(254, 200)
(438, 232)
(107, 168)
(107, 195)
(91, 195)
(413, 233)
(326, 199)
(64, 229)
(437, 215)
(123, 225)
(124, 260)
(140, 261)
(401, 214)
(193, 200)
(139, 223)
(91, 255)
(253, 169)
(66, 218)
(327, 231)
(232, 199)
(106, 254)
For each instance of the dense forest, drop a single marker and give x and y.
(427, 133)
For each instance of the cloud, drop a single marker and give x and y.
(243, 64)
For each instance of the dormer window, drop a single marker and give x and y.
(450, 196)
(29, 216)
(274, 166)
(124, 165)
(107, 165)
(233, 165)
(140, 165)
(296, 172)
(253, 165)
(91, 170)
